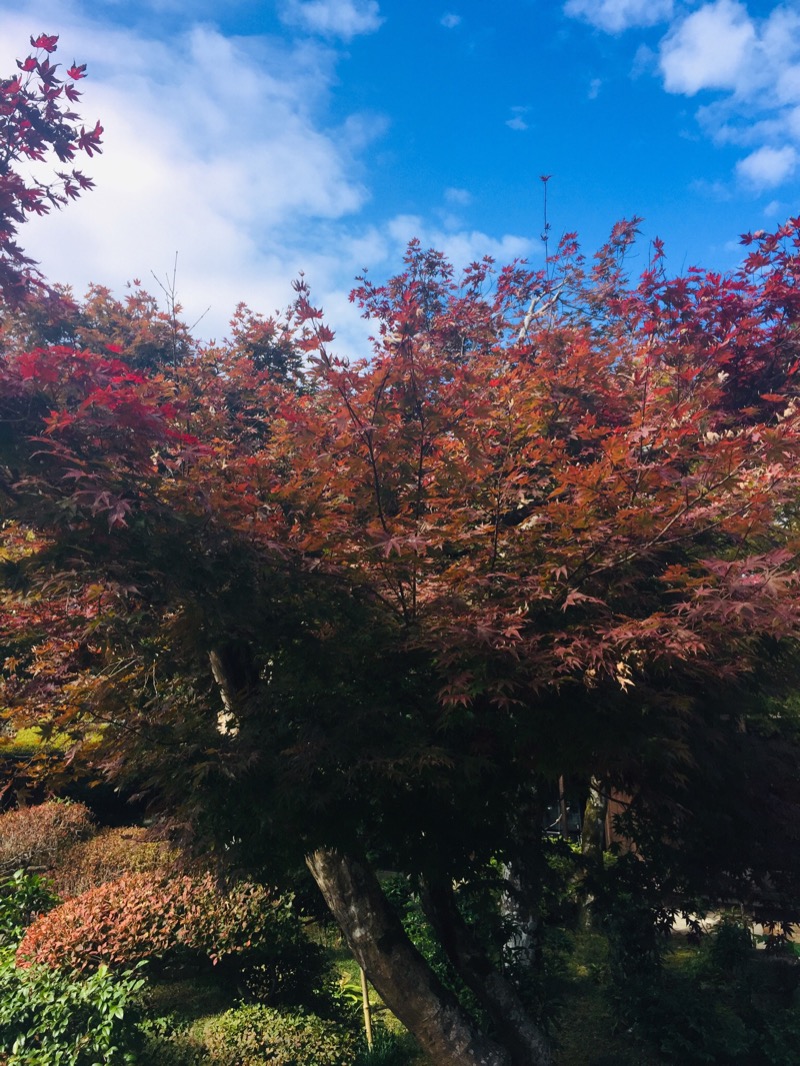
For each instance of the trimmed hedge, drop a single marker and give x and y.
(107, 856)
(38, 837)
(253, 937)
(254, 1034)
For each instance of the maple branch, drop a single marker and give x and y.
(499, 502)
(658, 538)
(552, 296)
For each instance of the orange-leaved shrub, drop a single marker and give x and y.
(107, 856)
(37, 837)
(247, 931)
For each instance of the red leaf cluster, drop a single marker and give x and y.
(151, 916)
(34, 122)
(553, 487)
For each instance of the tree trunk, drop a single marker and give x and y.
(495, 992)
(404, 981)
(521, 902)
(521, 950)
(594, 823)
(593, 842)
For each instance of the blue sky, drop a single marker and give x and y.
(257, 139)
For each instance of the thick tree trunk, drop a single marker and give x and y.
(495, 992)
(403, 979)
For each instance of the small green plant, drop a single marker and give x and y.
(23, 897)
(388, 1049)
(730, 946)
(48, 1018)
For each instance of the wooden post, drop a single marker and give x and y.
(367, 1011)
(562, 805)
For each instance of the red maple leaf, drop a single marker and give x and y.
(45, 42)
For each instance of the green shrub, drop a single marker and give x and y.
(252, 937)
(49, 1018)
(169, 1041)
(726, 1005)
(388, 1049)
(106, 857)
(37, 837)
(254, 1034)
(23, 897)
(729, 949)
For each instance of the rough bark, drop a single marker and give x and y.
(227, 722)
(495, 992)
(404, 981)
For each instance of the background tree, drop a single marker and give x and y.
(35, 121)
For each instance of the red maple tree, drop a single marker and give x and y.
(362, 611)
(549, 506)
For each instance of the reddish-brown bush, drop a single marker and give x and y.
(154, 916)
(106, 857)
(37, 837)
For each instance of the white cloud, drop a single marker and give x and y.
(517, 120)
(333, 18)
(767, 167)
(753, 67)
(461, 247)
(712, 48)
(595, 85)
(220, 149)
(461, 197)
(450, 21)
(614, 16)
(214, 148)
(752, 63)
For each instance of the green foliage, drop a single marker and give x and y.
(40, 836)
(729, 950)
(253, 1034)
(561, 880)
(49, 1018)
(168, 1040)
(727, 1004)
(406, 902)
(23, 897)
